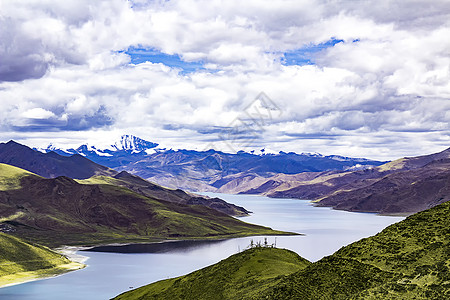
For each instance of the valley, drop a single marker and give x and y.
(110, 273)
(404, 186)
(227, 149)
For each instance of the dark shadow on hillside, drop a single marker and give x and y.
(163, 247)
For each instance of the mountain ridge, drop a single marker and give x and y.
(50, 164)
(404, 186)
(149, 189)
(194, 170)
(61, 211)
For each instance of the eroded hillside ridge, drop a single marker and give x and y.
(404, 186)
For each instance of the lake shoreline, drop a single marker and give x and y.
(26, 277)
(78, 261)
(325, 231)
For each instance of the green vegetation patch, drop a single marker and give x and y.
(100, 180)
(20, 261)
(407, 260)
(10, 177)
(239, 276)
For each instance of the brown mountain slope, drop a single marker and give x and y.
(404, 186)
(50, 164)
(251, 183)
(61, 211)
(400, 192)
(149, 189)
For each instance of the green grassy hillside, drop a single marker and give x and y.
(21, 261)
(236, 277)
(60, 211)
(10, 177)
(407, 260)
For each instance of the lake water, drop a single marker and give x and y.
(109, 274)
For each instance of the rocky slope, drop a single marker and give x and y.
(403, 192)
(403, 186)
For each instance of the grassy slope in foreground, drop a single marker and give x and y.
(233, 278)
(21, 261)
(407, 260)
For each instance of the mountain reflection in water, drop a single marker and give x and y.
(163, 247)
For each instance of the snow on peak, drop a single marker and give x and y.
(132, 143)
(312, 154)
(54, 148)
(263, 151)
(51, 147)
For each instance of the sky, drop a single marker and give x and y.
(355, 78)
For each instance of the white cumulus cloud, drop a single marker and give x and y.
(384, 87)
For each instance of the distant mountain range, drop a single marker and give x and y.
(405, 186)
(204, 170)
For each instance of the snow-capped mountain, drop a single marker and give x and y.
(127, 143)
(205, 170)
(132, 143)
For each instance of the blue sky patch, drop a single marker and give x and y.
(305, 55)
(141, 55)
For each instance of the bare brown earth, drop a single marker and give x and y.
(149, 189)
